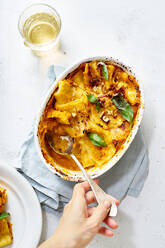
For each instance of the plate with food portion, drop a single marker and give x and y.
(20, 211)
(99, 103)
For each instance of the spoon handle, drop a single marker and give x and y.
(98, 192)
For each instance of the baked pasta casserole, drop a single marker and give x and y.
(96, 105)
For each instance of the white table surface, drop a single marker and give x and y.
(132, 31)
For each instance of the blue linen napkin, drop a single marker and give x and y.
(127, 177)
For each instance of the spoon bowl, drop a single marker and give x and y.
(62, 151)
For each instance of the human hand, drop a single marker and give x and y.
(79, 224)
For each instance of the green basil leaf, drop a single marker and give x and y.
(95, 100)
(96, 139)
(104, 70)
(124, 107)
(92, 99)
(4, 215)
(98, 107)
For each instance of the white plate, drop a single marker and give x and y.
(24, 207)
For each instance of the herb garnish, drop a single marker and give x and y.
(4, 215)
(104, 70)
(123, 106)
(94, 100)
(96, 139)
(98, 107)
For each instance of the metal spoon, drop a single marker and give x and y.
(98, 192)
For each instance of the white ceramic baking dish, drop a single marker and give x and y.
(94, 172)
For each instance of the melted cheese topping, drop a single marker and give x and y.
(69, 112)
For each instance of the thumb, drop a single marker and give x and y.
(101, 212)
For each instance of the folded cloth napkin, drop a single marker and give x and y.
(127, 177)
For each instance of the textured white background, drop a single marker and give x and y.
(132, 31)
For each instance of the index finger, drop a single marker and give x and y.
(81, 188)
(78, 200)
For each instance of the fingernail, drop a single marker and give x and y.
(107, 204)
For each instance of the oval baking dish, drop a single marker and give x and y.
(95, 171)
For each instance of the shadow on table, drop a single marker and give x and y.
(123, 237)
(49, 227)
